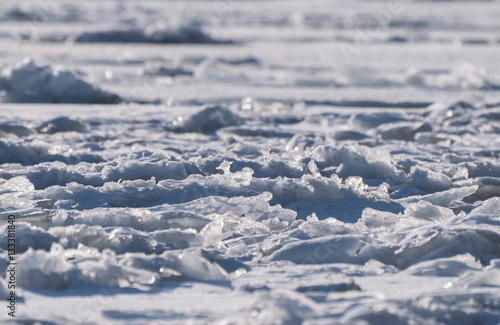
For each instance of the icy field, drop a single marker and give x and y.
(251, 162)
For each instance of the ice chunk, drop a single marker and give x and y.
(19, 185)
(379, 219)
(374, 267)
(192, 264)
(75, 235)
(283, 307)
(28, 82)
(427, 211)
(483, 168)
(320, 188)
(46, 270)
(486, 277)
(489, 278)
(402, 130)
(178, 238)
(16, 193)
(356, 160)
(428, 180)
(27, 236)
(228, 225)
(451, 266)
(456, 114)
(137, 170)
(434, 244)
(124, 240)
(145, 165)
(189, 263)
(365, 121)
(209, 119)
(486, 213)
(381, 313)
(216, 231)
(45, 175)
(331, 249)
(61, 124)
(489, 187)
(239, 178)
(445, 198)
(107, 271)
(151, 263)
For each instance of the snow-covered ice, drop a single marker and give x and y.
(250, 162)
(27, 82)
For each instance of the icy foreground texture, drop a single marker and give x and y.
(293, 176)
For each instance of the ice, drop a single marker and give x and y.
(427, 211)
(46, 270)
(356, 160)
(15, 194)
(486, 212)
(483, 278)
(61, 124)
(4, 292)
(107, 271)
(445, 243)
(456, 266)
(402, 131)
(191, 264)
(18, 130)
(210, 118)
(323, 250)
(445, 198)
(27, 82)
(75, 235)
(379, 314)
(428, 180)
(364, 121)
(234, 162)
(131, 167)
(285, 307)
(157, 68)
(29, 237)
(463, 76)
(375, 219)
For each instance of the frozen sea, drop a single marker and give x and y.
(250, 162)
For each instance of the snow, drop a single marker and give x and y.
(208, 119)
(229, 162)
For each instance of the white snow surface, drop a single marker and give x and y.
(251, 162)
